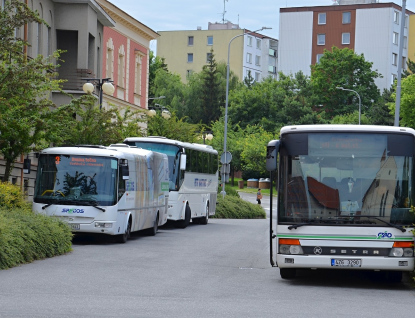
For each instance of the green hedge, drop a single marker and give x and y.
(233, 207)
(26, 236)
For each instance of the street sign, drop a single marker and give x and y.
(226, 158)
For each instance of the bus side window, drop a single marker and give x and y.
(121, 184)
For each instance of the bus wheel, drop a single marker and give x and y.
(182, 224)
(155, 228)
(123, 238)
(287, 273)
(205, 220)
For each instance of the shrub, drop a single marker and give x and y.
(233, 207)
(11, 196)
(26, 236)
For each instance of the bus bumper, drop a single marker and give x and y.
(366, 263)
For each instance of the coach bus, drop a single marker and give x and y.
(193, 178)
(107, 190)
(345, 198)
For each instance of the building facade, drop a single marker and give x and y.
(100, 41)
(371, 29)
(188, 51)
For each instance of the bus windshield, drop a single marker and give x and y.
(173, 155)
(346, 179)
(76, 180)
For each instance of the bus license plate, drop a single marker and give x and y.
(346, 262)
(75, 227)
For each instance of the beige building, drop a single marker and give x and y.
(188, 51)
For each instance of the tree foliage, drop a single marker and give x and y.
(27, 115)
(343, 68)
(407, 105)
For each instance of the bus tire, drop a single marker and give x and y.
(155, 228)
(123, 238)
(287, 273)
(182, 224)
(205, 219)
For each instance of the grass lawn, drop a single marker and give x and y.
(248, 190)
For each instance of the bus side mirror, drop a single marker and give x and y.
(26, 166)
(272, 155)
(183, 161)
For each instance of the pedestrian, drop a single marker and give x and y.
(259, 196)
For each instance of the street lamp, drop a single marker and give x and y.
(103, 85)
(360, 102)
(226, 103)
(207, 134)
(164, 111)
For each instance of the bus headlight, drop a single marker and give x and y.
(290, 246)
(103, 225)
(402, 249)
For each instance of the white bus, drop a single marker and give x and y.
(193, 178)
(108, 190)
(345, 197)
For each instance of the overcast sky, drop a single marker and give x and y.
(174, 15)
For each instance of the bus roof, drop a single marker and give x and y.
(348, 128)
(164, 140)
(100, 151)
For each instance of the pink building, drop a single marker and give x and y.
(126, 51)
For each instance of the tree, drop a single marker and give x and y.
(27, 115)
(155, 63)
(407, 105)
(249, 81)
(343, 68)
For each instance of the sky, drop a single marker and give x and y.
(179, 15)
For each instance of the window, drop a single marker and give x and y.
(322, 18)
(406, 21)
(396, 17)
(257, 76)
(210, 40)
(189, 57)
(346, 38)
(395, 38)
(319, 56)
(138, 73)
(258, 44)
(272, 69)
(249, 40)
(110, 59)
(257, 60)
(394, 59)
(272, 52)
(346, 17)
(121, 66)
(321, 39)
(190, 40)
(249, 58)
(405, 41)
(394, 78)
(404, 63)
(208, 57)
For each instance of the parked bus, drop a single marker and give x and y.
(193, 178)
(108, 190)
(345, 197)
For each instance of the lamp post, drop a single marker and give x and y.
(226, 102)
(207, 134)
(360, 102)
(164, 111)
(103, 85)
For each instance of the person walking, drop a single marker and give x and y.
(259, 196)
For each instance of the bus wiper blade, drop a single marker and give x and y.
(294, 226)
(80, 202)
(46, 206)
(386, 222)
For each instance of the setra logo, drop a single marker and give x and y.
(384, 235)
(72, 211)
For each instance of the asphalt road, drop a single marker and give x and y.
(217, 270)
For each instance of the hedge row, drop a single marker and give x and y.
(233, 207)
(26, 236)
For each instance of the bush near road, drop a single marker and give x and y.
(26, 236)
(233, 207)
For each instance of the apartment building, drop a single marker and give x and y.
(100, 41)
(188, 51)
(367, 27)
